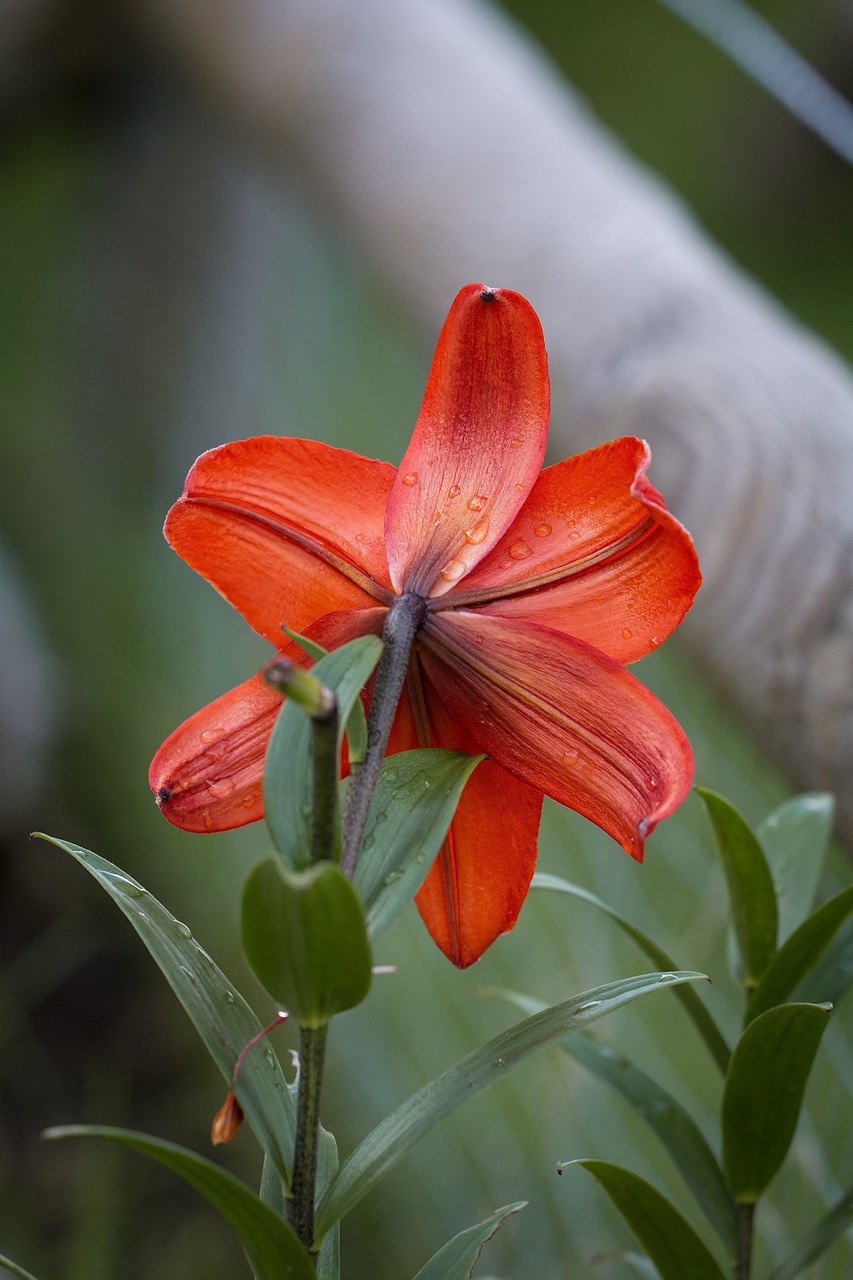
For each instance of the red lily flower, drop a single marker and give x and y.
(539, 586)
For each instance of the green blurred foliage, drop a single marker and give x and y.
(161, 294)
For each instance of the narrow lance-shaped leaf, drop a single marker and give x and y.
(15, 1269)
(702, 1020)
(357, 721)
(219, 1013)
(415, 798)
(287, 770)
(799, 954)
(670, 1241)
(795, 838)
(399, 1131)
(764, 1092)
(752, 897)
(832, 976)
(457, 1259)
(816, 1241)
(675, 1128)
(272, 1247)
(305, 937)
(329, 1261)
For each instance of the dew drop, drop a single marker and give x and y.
(212, 735)
(250, 800)
(574, 533)
(666, 977)
(570, 757)
(478, 640)
(359, 537)
(654, 642)
(627, 633)
(454, 491)
(478, 502)
(506, 564)
(515, 444)
(392, 877)
(520, 550)
(452, 570)
(477, 533)
(592, 498)
(221, 788)
(411, 478)
(653, 784)
(183, 930)
(208, 822)
(229, 997)
(590, 1004)
(187, 973)
(541, 531)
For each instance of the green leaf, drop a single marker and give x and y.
(287, 772)
(639, 1264)
(329, 1261)
(702, 1020)
(667, 1238)
(678, 1132)
(415, 798)
(399, 1131)
(794, 959)
(764, 1092)
(824, 1233)
(304, 935)
(218, 1012)
(795, 837)
(457, 1259)
(752, 897)
(273, 1249)
(832, 976)
(13, 1269)
(357, 720)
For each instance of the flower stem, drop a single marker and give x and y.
(743, 1261)
(300, 1208)
(401, 626)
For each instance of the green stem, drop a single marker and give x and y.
(743, 1261)
(300, 1208)
(324, 783)
(401, 626)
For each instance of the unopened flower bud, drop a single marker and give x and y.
(227, 1120)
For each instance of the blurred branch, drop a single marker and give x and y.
(450, 151)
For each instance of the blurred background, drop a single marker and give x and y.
(164, 290)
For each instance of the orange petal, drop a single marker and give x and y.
(594, 553)
(477, 884)
(208, 774)
(286, 530)
(563, 717)
(478, 443)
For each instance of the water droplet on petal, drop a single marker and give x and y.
(570, 757)
(212, 735)
(454, 491)
(478, 640)
(627, 633)
(515, 444)
(208, 822)
(411, 478)
(250, 800)
(520, 550)
(653, 784)
(574, 533)
(221, 788)
(654, 642)
(477, 533)
(359, 537)
(478, 502)
(593, 498)
(541, 531)
(452, 570)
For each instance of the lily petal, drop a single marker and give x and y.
(594, 553)
(478, 883)
(563, 717)
(208, 774)
(286, 530)
(478, 443)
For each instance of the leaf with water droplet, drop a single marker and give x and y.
(671, 1123)
(304, 936)
(415, 799)
(222, 1017)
